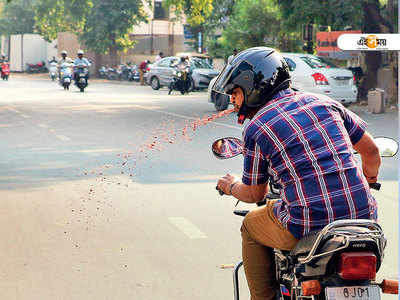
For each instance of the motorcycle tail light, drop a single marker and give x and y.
(310, 287)
(390, 286)
(320, 79)
(357, 266)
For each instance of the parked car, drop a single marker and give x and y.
(316, 75)
(161, 74)
(310, 74)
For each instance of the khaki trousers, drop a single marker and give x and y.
(141, 76)
(261, 231)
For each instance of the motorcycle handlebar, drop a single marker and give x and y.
(375, 186)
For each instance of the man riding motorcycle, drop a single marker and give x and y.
(80, 60)
(64, 59)
(305, 143)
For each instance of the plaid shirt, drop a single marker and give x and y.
(304, 142)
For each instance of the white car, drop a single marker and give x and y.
(315, 75)
(312, 74)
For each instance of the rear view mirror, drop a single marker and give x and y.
(388, 147)
(227, 147)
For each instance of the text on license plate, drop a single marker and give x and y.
(370, 292)
(342, 82)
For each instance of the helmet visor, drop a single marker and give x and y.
(221, 85)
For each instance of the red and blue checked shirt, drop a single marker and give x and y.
(304, 142)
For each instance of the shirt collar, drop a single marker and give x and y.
(282, 93)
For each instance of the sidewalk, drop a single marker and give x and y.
(45, 76)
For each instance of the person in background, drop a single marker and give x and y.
(64, 59)
(142, 70)
(3, 58)
(159, 56)
(80, 60)
(53, 60)
(232, 56)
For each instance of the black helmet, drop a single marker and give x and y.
(260, 72)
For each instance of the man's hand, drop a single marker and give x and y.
(224, 183)
(370, 157)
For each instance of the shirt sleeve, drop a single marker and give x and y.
(355, 126)
(255, 164)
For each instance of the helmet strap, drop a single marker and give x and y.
(243, 113)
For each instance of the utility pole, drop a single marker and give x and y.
(308, 30)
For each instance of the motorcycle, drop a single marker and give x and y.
(103, 72)
(81, 76)
(124, 72)
(5, 70)
(180, 81)
(36, 68)
(134, 75)
(112, 74)
(65, 75)
(53, 70)
(337, 263)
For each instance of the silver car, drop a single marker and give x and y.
(161, 72)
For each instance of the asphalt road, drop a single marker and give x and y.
(110, 194)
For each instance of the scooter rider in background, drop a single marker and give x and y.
(64, 59)
(184, 67)
(305, 143)
(80, 60)
(3, 58)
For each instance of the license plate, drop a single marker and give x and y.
(342, 82)
(370, 292)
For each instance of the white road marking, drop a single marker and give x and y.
(43, 126)
(14, 110)
(24, 116)
(187, 227)
(63, 138)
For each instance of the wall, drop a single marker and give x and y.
(29, 48)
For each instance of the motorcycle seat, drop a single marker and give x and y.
(305, 244)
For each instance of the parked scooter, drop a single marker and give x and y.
(65, 75)
(5, 70)
(81, 76)
(53, 70)
(337, 263)
(112, 74)
(134, 74)
(103, 72)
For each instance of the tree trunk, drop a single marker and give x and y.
(114, 58)
(371, 24)
(98, 62)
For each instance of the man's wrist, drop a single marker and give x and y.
(231, 186)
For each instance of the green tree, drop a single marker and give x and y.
(195, 11)
(17, 17)
(109, 23)
(371, 16)
(252, 23)
(53, 16)
(102, 25)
